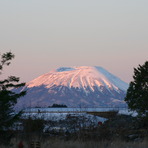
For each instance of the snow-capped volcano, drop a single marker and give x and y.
(81, 77)
(75, 86)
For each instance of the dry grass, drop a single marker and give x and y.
(56, 143)
(112, 134)
(91, 144)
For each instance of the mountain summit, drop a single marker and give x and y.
(83, 86)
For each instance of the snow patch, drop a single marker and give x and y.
(62, 69)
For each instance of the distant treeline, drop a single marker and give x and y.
(58, 105)
(54, 106)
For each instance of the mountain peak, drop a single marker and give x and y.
(62, 69)
(87, 86)
(81, 77)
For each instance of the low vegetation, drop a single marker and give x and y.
(57, 143)
(121, 131)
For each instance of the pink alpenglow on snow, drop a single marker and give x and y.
(75, 86)
(81, 77)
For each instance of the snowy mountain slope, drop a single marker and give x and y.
(80, 77)
(75, 86)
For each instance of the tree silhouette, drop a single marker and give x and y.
(8, 99)
(137, 93)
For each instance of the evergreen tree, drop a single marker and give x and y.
(8, 99)
(137, 93)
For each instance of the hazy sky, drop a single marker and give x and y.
(46, 34)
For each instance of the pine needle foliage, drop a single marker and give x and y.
(137, 93)
(8, 99)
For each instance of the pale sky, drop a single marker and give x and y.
(47, 34)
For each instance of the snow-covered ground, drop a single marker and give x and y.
(62, 113)
(69, 119)
(62, 116)
(71, 110)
